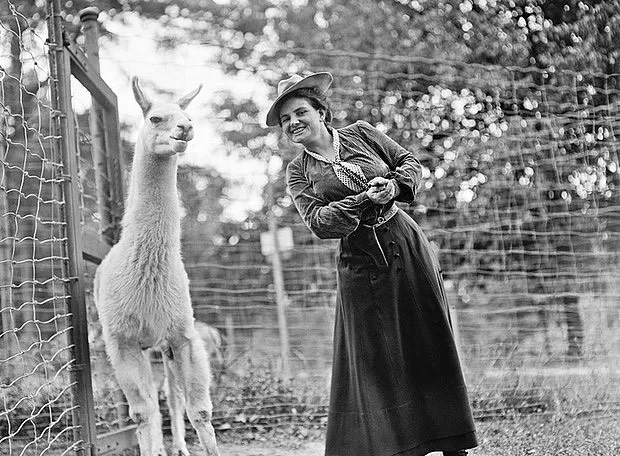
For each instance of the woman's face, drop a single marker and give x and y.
(300, 121)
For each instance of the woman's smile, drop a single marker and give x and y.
(298, 130)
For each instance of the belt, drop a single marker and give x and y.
(366, 239)
(391, 212)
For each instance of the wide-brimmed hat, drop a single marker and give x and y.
(319, 81)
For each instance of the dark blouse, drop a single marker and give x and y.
(327, 206)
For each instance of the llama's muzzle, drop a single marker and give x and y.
(178, 144)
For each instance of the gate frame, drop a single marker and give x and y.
(66, 60)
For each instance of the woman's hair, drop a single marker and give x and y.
(317, 101)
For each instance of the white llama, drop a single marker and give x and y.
(142, 290)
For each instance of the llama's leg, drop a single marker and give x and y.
(176, 406)
(192, 366)
(135, 377)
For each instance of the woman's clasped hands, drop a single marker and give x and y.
(382, 190)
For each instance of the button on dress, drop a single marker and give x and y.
(397, 386)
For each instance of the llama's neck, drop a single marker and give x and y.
(152, 207)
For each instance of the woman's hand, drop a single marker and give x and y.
(382, 190)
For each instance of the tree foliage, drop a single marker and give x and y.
(428, 103)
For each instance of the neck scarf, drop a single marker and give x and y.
(350, 174)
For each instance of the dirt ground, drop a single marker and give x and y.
(263, 449)
(531, 435)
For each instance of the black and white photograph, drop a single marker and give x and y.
(309, 228)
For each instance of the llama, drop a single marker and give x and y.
(142, 289)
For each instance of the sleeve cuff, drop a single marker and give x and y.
(363, 201)
(405, 184)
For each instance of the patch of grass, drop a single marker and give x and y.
(516, 414)
(258, 406)
(544, 435)
(552, 391)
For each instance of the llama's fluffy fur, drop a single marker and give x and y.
(142, 289)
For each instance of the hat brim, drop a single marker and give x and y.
(320, 81)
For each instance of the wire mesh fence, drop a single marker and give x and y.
(36, 363)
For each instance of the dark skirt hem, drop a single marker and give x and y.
(452, 443)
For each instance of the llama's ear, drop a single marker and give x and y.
(184, 101)
(139, 95)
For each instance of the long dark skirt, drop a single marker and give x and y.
(397, 386)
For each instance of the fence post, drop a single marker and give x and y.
(90, 29)
(83, 415)
(278, 283)
(230, 340)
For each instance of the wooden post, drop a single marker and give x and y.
(90, 30)
(278, 284)
(230, 341)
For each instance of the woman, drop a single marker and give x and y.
(397, 386)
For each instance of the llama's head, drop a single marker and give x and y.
(167, 127)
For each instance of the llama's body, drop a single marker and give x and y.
(145, 275)
(144, 270)
(142, 291)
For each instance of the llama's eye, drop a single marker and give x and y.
(155, 119)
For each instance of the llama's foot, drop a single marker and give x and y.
(150, 438)
(209, 441)
(212, 451)
(206, 433)
(179, 449)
